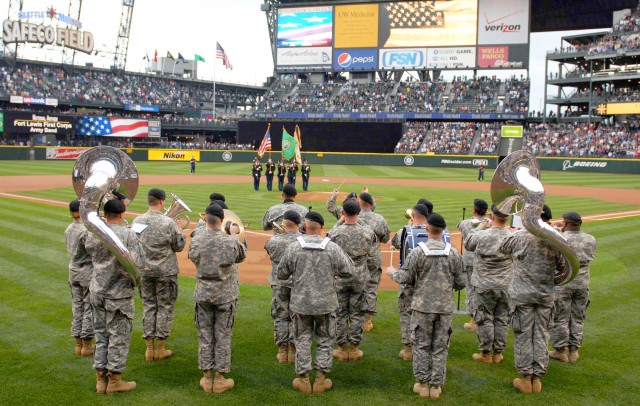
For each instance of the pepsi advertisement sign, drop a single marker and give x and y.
(406, 58)
(355, 59)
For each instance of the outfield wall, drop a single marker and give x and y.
(631, 166)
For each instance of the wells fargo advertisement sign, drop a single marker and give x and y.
(173, 155)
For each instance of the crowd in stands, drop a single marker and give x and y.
(624, 35)
(363, 97)
(440, 138)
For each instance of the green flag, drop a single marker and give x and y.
(289, 145)
(169, 56)
(198, 58)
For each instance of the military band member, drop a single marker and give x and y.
(256, 172)
(331, 202)
(275, 213)
(80, 272)
(216, 198)
(161, 239)
(312, 264)
(306, 171)
(434, 268)
(270, 171)
(281, 289)
(359, 242)
(292, 171)
(492, 272)
(531, 302)
(215, 255)
(466, 227)
(282, 171)
(572, 299)
(112, 301)
(381, 229)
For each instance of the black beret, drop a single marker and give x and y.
(427, 204)
(215, 210)
(217, 196)
(114, 206)
(436, 220)
(221, 203)
(289, 190)
(546, 212)
(158, 193)
(293, 216)
(351, 207)
(118, 195)
(573, 217)
(315, 217)
(74, 205)
(495, 211)
(352, 195)
(366, 197)
(422, 209)
(480, 205)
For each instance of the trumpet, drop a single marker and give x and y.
(408, 214)
(278, 226)
(176, 212)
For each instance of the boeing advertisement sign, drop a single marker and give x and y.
(407, 58)
(355, 59)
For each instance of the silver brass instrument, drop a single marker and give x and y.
(96, 173)
(176, 212)
(517, 180)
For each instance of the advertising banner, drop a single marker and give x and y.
(304, 59)
(142, 108)
(511, 131)
(20, 122)
(448, 58)
(155, 128)
(355, 59)
(403, 58)
(305, 27)
(503, 56)
(356, 26)
(64, 153)
(173, 155)
(503, 22)
(1, 121)
(41, 101)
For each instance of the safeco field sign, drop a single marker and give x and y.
(172, 155)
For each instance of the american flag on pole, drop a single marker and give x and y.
(223, 55)
(265, 145)
(113, 127)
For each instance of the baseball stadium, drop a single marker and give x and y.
(443, 120)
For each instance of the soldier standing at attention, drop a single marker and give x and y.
(80, 271)
(572, 299)
(434, 268)
(276, 213)
(282, 171)
(215, 255)
(256, 172)
(281, 290)
(306, 171)
(271, 169)
(531, 302)
(292, 171)
(313, 263)
(161, 239)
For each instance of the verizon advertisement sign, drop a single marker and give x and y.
(64, 153)
(503, 22)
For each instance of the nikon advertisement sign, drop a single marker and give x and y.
(173, 155)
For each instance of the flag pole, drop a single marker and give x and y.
(213, 108)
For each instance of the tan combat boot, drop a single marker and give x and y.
(78, 349)
(321, 383)
(421, 389)
(573, 354)
(484, 357)
(101, 381)
(149, 352)
(282, 354)
(302, 384)
(116, 384)
(561, 354)
(368, 324)
(355, 353)
(341, 353)
(497, 358)
(406, 353)
(161, 352)
(87, 347)
(291, 354)
(206, 382)
(221, 384)
(536, 384)
(434, 391)
(471, 325)
(523, 384)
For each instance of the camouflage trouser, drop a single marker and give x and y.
(530, 324)
(281, 314)
(470, 301)
(350, 316)
(568, 321)
(405, 297)
(81, 318)
(305, 327)
(371, 290)
(158, 302)
(113, 325)
(492, 316)
(430, 333)
(215, 328)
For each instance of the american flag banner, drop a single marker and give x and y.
(265, 145)
(415, 14)
(112, 127)
(223, 55)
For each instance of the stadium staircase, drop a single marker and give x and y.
(474, 143)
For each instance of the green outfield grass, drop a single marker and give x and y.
(37, 365)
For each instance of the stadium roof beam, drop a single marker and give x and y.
(68, 54)
(269, 7)
(122, 47)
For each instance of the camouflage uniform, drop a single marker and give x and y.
(405, 296)
(276, 214)
(215, 255)
(531, 298)
(280, 290)
(572, 299)
(492, 272)
(80, 271)
(313, 298)
(335, 210)
(159, 286)
(466, 227)
(359, 242)
(112, 301)
(380, 227)
(434, 276)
